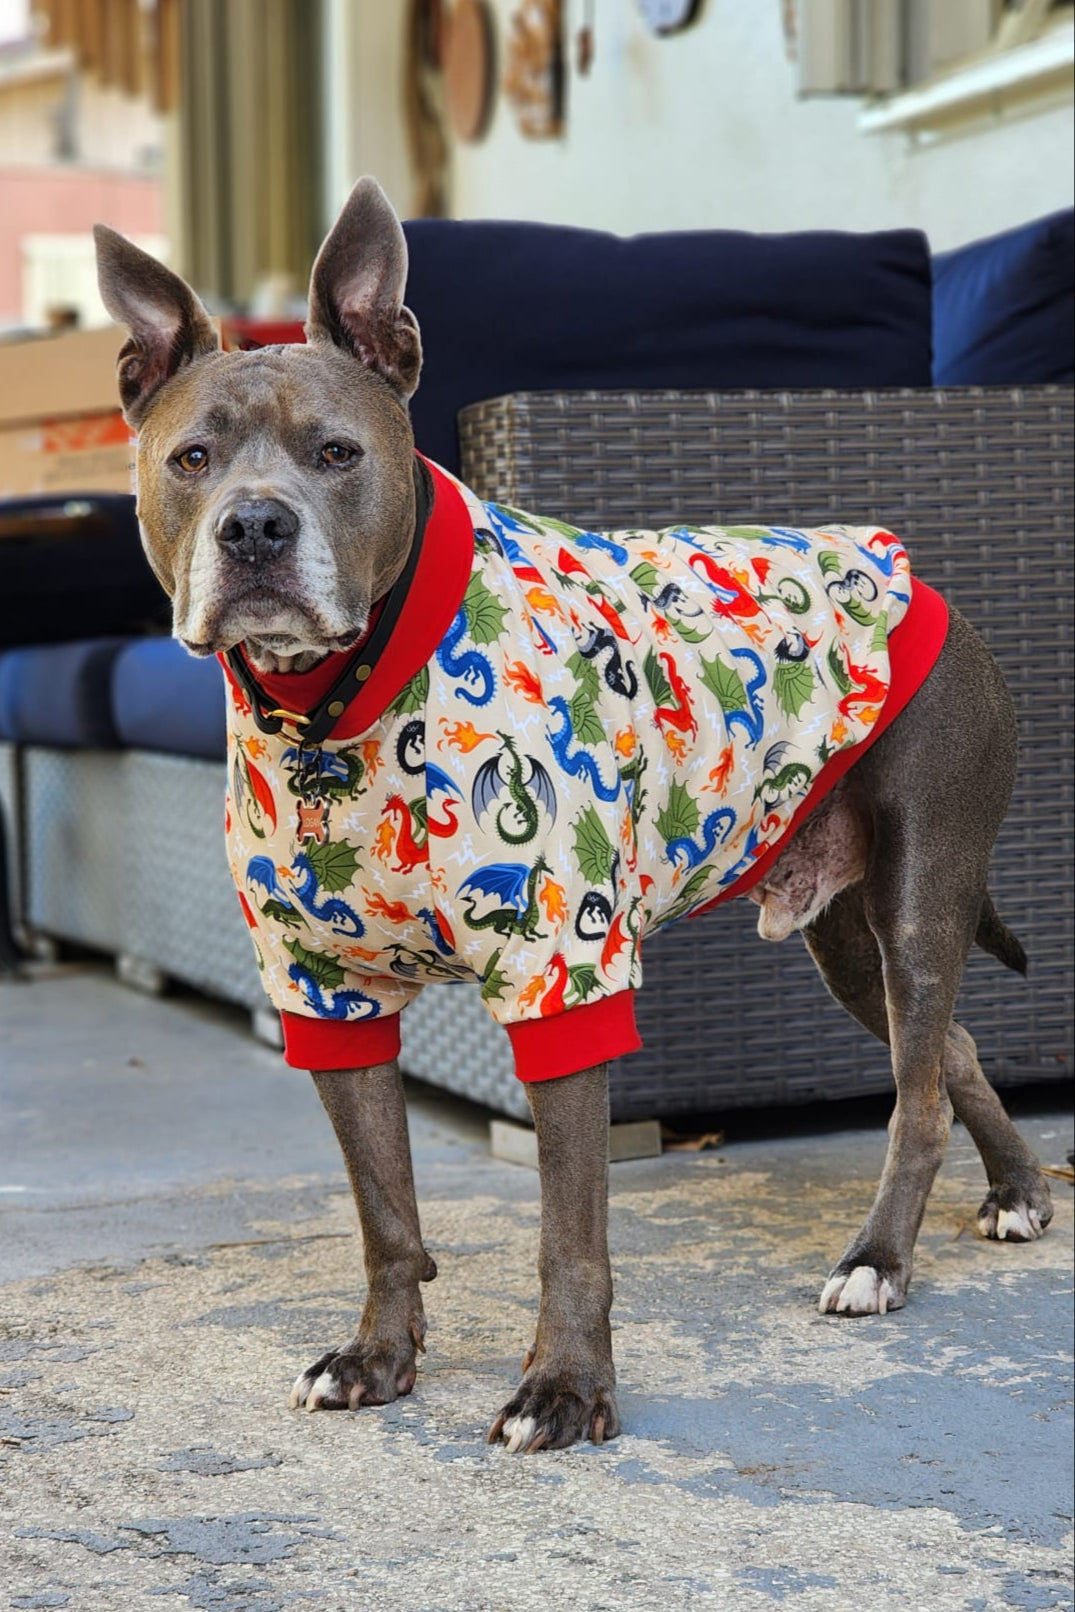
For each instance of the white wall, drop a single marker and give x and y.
(703, 129)
(363, 71)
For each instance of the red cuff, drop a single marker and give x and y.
(339, 1043)
(545, 1049)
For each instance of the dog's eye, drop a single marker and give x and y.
(337, 453)
(192, 459)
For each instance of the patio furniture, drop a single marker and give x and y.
(978, 482)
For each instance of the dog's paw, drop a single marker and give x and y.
(861, 1290)
(344, 1379)
(551, 1412)
(1015, 1214)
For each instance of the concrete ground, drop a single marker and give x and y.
(176, 1243)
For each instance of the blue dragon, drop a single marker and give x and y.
(582, 761)
(745, 862)
(330, 909)
(695, 852)
(331, 767)
(438, 782)
(429, 918)
(593, 540)
(504, 520)
(885, 558)
(342, 1001)
(772, 537)
(751, 719)
(470, 665)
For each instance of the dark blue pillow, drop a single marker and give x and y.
(59, 694)
(1004, 308)
(164, 699)
(509, 307)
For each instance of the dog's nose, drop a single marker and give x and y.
(257, 529)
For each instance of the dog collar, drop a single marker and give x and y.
(315, 725)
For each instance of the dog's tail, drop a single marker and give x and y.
(994, 937)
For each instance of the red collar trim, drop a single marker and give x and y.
(436, 593)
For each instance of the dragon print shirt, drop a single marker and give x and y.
(607, 732)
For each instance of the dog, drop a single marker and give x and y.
(388, 826)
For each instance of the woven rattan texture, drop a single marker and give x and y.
(450, 1040)
(979, 483)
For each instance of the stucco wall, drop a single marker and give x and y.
(704, 129)
(67, 202)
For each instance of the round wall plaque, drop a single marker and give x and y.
(468, 68)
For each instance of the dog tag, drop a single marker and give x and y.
(313, 821)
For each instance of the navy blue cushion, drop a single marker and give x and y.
(164, 699)
(1004, 308)
(59, 694)
(516, 306)
(72, 564)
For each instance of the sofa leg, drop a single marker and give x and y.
(265, 1023)
(140, 974)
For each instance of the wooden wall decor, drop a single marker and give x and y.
(469, 68)
(534, 75)
(425, 117)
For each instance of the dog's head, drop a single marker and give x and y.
(275, 487)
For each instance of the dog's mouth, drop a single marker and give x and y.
(272, 625)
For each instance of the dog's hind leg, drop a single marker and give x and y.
(848, 957)
(934, 789)
(873, 1274)
(366, 1107)
(1018, 1206)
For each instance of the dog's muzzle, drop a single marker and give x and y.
(257, 530)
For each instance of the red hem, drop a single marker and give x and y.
(547, 1049)
(916, 643)
(339, 1043)
(432, 602)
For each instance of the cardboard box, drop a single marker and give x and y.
(60, 428)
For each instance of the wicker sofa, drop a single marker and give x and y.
(123, 850)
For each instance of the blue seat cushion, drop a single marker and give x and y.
(71, 566)
(1004, 308)
(59, 694)
(164, 699)
(509, 307)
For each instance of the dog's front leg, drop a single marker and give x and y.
(568, 1390)
(368, 1114)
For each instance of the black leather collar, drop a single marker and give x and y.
(316, 725)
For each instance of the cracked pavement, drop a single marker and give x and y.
(177, 1241)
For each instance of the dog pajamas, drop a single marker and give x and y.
(568, 740)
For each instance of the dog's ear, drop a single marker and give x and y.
(168, 325)
(356, 290)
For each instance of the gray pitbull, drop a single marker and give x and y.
(261, 532)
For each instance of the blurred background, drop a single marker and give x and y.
(857, 211)
(223, 134)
